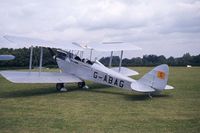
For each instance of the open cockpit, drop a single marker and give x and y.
(61, 54)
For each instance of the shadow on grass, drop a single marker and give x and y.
(28, 93)
(98, 88)
(146, 97)
(131, 97)
(43, 91)
(94, 88)
(126, 95)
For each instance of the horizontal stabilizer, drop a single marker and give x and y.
(169, 87)
(125, 71)
(36, 77)
(140, 87)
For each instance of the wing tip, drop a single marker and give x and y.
(169, 87)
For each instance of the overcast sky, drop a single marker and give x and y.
(166, 27)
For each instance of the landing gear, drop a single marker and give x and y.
(60, 87)
(82, 85)
(150, 96)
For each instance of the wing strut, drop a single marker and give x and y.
(41, 56)
(91, 54)
(81, 54)
(111, 56)
(31, 59)
(120, 63)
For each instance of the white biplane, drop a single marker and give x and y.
(76, 69)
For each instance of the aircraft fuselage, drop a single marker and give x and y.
(95, 72)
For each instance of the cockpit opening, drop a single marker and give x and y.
(64, 54)
(61, 55)
(77, 58)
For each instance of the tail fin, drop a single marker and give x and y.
(157, 78)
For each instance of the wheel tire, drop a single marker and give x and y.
(81, 84)
(59, 86)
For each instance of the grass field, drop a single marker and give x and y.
(39, 108)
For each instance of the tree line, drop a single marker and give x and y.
(22, 56)
(154, 60)
(22, 59)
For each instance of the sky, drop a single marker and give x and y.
(161, 27)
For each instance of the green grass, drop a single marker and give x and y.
(39, 108)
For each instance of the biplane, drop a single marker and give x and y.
(74, 68)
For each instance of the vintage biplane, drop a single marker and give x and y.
(76, 69)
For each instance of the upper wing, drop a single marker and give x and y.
(125, 71)
(36, 77)
(24, 41)
(113, 46)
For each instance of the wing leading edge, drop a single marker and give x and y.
(24, 41)
(113, 46)
(125, 71)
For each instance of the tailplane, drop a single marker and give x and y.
(156, 78)
(153, 81)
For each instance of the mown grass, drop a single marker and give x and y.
(39, 108)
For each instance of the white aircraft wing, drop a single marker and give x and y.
(125, 71)
(24, 41)
(36, 77)
(113, 46)
(7, 57)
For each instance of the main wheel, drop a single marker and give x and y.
(81, 84)
(59, 86)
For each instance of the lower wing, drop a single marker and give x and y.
(39, 77)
